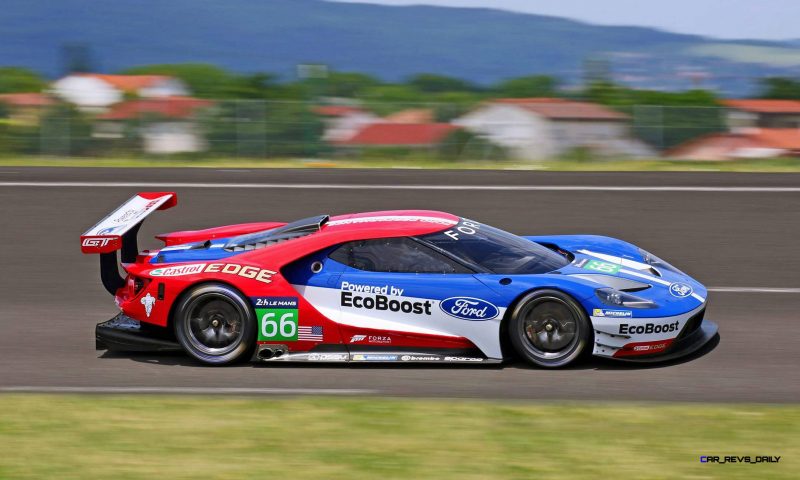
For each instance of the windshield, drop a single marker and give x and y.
(495, 250)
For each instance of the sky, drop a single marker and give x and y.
(757, 19)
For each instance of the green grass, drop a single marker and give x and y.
(154, 437)
(787, 165)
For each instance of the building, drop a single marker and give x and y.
(403, 135)
(411, 115)
(542, 128)
(98, 91)
(165, 125)
(760, 113)
(343, 121)
(741, 143)
(26, 108)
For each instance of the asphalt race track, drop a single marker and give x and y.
(730, 231)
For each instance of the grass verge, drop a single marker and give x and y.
(786, 165)
(127, 437)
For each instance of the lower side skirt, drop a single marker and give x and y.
(367, 355)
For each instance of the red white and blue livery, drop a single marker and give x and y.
(404, 286)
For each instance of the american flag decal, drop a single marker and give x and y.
(311, 334)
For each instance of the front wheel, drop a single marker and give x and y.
(549, 329)
(215, 324)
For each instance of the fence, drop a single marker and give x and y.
(281, 129)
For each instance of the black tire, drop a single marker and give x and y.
(215, 324)
(549, 329)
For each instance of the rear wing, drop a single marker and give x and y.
(118, 230)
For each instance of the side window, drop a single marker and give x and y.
(398, 255)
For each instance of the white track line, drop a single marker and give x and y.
(753, 290)
(346, 186)
(190, 390)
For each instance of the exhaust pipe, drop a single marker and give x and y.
(265, 353)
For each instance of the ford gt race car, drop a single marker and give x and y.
(394, 286)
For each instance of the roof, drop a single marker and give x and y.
(170, 107)
(561, 109)
(33, 99)
(400, 134)
(719, 146)
(783, 138)
(128, 83)
(764, 106)
(391, 222)
(411, 115)
(336, 110)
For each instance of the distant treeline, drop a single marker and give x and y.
(210, 81)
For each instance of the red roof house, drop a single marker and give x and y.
(399, 135)
(24, 100)
(745, 143)
(167, 107)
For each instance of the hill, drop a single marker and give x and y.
(481, 45)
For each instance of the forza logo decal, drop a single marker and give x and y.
(277, 318)
(680, 290)
(371, 339)
(382, 302)
(95, 241)
(468, 308)
(254, 273)
(648, 328)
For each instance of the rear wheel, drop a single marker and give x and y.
(549, 328)
(215, 324)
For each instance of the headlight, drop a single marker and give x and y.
(614, 297)
(656, 262)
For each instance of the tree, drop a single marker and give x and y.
(780, 88)
(348, 84)
(204, 80)
(14, 79)
(530, 86)
(262, 129)
(662, 119)
(431, 83)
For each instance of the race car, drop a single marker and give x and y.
(407, 286)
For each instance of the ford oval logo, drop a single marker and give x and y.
(680, 290)
(469, 308)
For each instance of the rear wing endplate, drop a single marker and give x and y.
(107, 236)
(118, 230)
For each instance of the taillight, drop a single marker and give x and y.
(135, 285)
